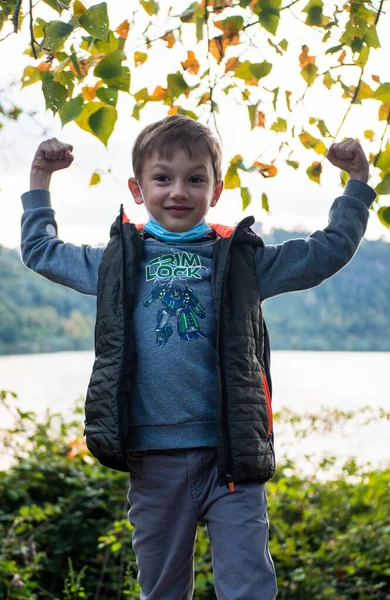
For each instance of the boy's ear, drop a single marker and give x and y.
(217, 192)
(135, 190)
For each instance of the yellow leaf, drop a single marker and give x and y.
(342, 57)
(158, 94)
(369, 134)
(384, 112)
(232, 64)
(375, 78)
(266, 170)
(78, 8)
(216, 48)
(89, 93)
(232, 178)
(260, 119)
(304, 58)
(173, 110)
(139, 58)
(191, 64)
(169, 39)
(44, 66)
(123, 29)
(204, 98)
(95, 179)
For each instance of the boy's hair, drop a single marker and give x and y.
(176, 131)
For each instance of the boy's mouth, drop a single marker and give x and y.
(178, 211)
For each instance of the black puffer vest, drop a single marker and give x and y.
(244, 411)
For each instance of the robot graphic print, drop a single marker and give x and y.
(179, 304)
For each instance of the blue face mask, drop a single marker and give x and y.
(158, 231)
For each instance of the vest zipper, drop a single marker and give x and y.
(268, 402)
(228, 477)
(121, 439)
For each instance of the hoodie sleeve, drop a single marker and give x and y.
(45, 253)
(301, 264)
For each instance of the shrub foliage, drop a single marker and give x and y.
(65, 535)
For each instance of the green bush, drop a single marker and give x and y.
(64, 530)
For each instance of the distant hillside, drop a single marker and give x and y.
(351, 311)
(37, 315)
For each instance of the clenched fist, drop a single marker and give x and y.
(349, 156)
(52, 155)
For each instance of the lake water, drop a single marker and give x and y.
(302, 382)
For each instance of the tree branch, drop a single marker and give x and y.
(15, 18)
(378, 14)
(32, 38)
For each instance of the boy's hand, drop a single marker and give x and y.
(349, 156)
(52, 155)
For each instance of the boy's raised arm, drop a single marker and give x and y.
(304, 263)
(42, 250)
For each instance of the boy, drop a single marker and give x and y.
(180, 390)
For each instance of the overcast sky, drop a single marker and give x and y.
(85, 213)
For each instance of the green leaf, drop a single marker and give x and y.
(39, 28)
(177, 85)
(246, 197)
(199, 23)
(384, 215)
(279, 125)
(66, 78)
(58, 5)
(323, 128)
(55, 95)
(71, 110)
(30, 75)
(187, 113)
(252, 110)
(95, 21)
(334, 49)
(314, 171)
(382, 93)
(232, 178)
(104, 47)
(362, 59)
(151, 6)
(384, 186)
(142, 95)
(56, 33)
(293, 163)
(122, 82)
(265, 203)
(328, 80)
(309, 73)
(108, 95)
(371, 37)
(110, 66)
(83, 120)
(249, 71)
(275, 92)
(268, 14)
(383, 161)
(283, 44)
(314, 12)
(102, 123)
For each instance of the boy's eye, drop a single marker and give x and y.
(162, 178)
(196, 179)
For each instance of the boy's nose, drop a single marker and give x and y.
(179, 191)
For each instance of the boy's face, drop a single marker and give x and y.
(177, 192)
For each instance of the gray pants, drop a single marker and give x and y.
(170, 492)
